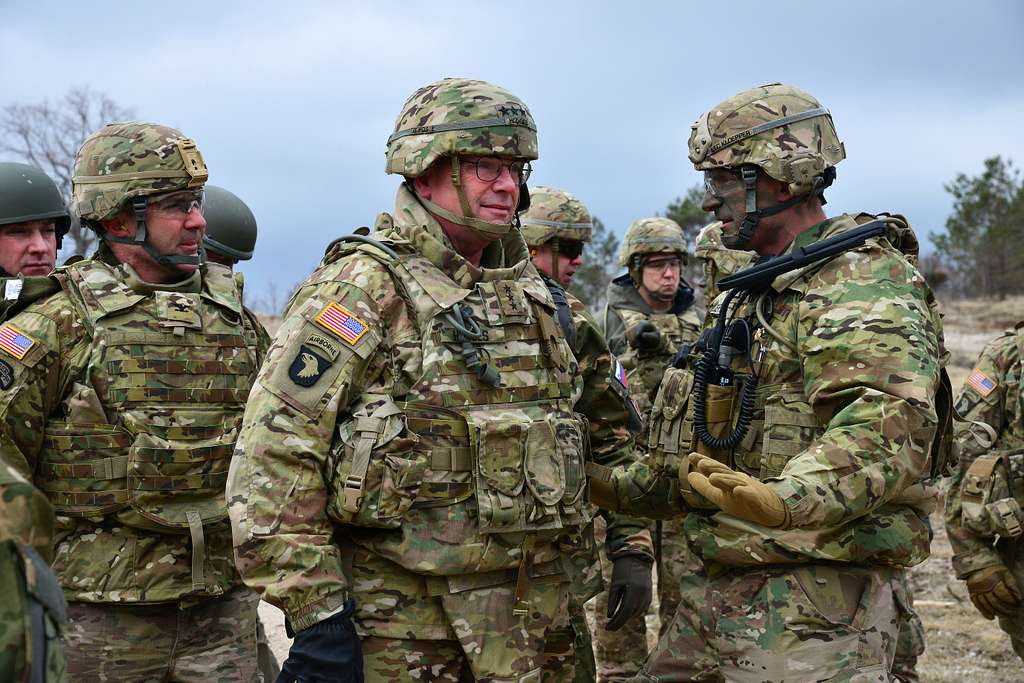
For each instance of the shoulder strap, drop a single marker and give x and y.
(563, 311)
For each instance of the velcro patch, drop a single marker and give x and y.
(6, 375)
(15, 342)
(619, 373)
(981, 383)
(307, 367)
(324, 343)
(342, 322)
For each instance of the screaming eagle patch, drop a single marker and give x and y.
(308, 367)
(6, 375)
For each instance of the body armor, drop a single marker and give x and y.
(511, 446)
(148, 430)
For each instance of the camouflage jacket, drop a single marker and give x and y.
(678, 326)
(365, 425)
(119, 395)
(994, 395)
(718, 260)
(844, 418)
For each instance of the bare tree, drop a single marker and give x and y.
(48, 135)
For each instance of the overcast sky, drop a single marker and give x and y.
(291, 103)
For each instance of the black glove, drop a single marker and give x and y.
(630, 592)
(645, 337)
(326, 652)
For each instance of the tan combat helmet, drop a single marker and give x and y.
(647, 236)
(457, 117)
(123, 165)
(778, 129)
(555, 215)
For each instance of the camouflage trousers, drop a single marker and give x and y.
(1013, 558)
(793, 623)
(419, 628)
(675, 560)
(568, 649)
(24, 617)
(211, 641)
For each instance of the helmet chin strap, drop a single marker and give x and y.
(467, 219)
(141, 239)
(754, 215)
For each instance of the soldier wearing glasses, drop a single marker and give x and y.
(122, 394)
(409, 485)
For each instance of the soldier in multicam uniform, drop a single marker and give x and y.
(555, 228)
(125, 396)
(33, 610)
(800, 435)
(33, 221)
(983, 510)
(649, 317)
(412, 458)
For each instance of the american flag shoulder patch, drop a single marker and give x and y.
(15, 342)
(620, 373)
(981, 383)
(341, 322)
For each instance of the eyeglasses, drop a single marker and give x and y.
(571, 249)
(178, 202)
(673, 264)
(719, 183)
(488, 169)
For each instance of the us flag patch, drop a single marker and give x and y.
(341, 322)
(981, 383)
(620, 373)
(15, 342)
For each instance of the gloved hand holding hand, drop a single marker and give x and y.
(645, 336)
(739, 494)
(630, 591)
(326, 652)
(994, 591)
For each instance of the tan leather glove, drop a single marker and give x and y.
(737, 493)
(994, 591)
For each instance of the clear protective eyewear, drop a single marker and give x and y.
(183, 202)
(488, 169)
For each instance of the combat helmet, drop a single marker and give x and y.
(230, 224)
(27, 194)
(461, 117)
(647, 236)
(775, 128)
(555, 215)
(122, 165)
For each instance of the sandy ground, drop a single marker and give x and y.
(961, 646)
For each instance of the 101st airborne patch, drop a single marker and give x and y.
(307, 367)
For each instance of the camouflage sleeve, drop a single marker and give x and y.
(983, 399)
(26, 516)
(36, 360)
(869, 347)
(604, 403)
(277, 496)
(615, 331)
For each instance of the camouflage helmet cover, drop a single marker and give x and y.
(122, 161)
(459, 116)
(230, 224)
(652, 236)
(554, 214)
(779, 128)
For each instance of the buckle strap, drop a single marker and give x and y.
(454, 459)
(368, 427)
(521, 606)
(195, 529)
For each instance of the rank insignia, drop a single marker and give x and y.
(15, 342)
(307, 367)
(981, 383)
(342, 322)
